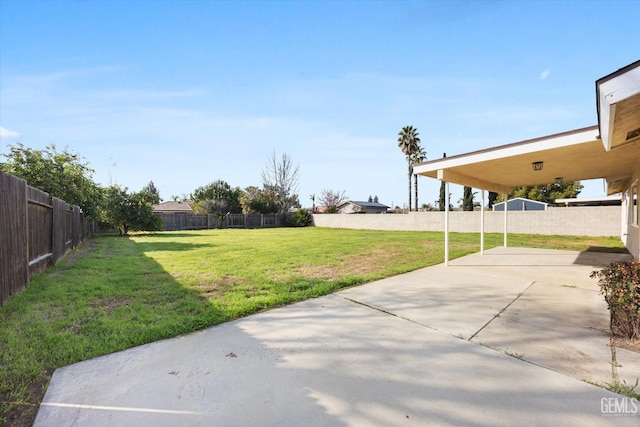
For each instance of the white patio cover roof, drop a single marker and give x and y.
(571, 156)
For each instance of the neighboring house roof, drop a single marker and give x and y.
(614, 200)
(521, 204)
(173, 206)
(364, 204)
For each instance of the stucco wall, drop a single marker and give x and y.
(573, 221)
(630, 231)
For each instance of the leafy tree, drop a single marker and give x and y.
(130, 212)
(217, 197)
(151, 189)
(547, 193)
(62, 174)
(280, 177)
(256, 200)
(331, 200)
(409, 143)
(219, 208)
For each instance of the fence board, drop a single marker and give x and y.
(59, 229)
(39, 218)
(14, 249)
(185, 221)
(35, 231)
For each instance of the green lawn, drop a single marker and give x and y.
(115, 293)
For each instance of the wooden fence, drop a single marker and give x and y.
(36, 231)
(185, 221)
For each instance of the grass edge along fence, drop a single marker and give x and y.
(36, 230)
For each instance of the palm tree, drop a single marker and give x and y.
(417, 156)
(409, 143)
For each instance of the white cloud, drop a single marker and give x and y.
(8, 133)
(545, 74)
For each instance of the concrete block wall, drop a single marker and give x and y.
(570, 221)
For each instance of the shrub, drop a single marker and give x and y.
(301, 218)
(620, 284)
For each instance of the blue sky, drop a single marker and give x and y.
(187, 92)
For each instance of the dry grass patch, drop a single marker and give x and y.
(217, 288)
(364, 263)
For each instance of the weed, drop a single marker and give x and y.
(519, 356)
(621, 387)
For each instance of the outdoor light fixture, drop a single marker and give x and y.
(559, 180)
(537, 166)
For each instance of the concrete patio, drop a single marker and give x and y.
(505, 338)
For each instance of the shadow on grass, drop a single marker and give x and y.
(172, 234)
(170, 246)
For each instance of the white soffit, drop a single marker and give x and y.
(611, 90)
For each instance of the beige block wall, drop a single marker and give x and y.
(572, 221)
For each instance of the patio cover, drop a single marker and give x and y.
(571, 156)
(610, 150)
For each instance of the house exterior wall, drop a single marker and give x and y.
(173, 212)
(349, 208)
(368, 210)
(578, 221)
(630, 221)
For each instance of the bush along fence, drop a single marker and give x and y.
(36, 231)
(186, 221)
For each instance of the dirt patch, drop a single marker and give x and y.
(75, 255)
(108, 304)
(218, 288)
(626, 343)
(327, 272)
(23, 413)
